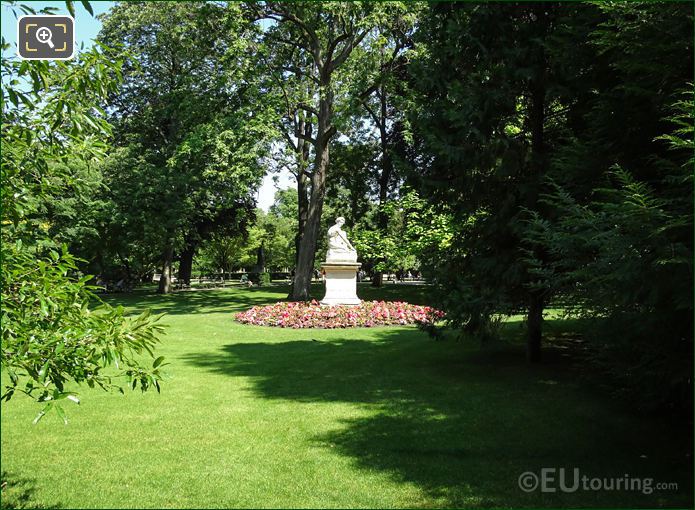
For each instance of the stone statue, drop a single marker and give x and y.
(340, 268)
(339, 248)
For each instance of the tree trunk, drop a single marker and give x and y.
(186, 264)
(165, 279)
(382, 217)
(384, 178)
(535, 328)
(307, 245)
(302, 213)
(377, 278)
(303, 149)
(260, 258)
(537, 88)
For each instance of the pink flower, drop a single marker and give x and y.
(299, 315)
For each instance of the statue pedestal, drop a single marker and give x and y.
(341, 283)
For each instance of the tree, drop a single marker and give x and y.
(324, 36)
(189, 123)
(293, 153)
(416, 231)
(526, 143)
(387, 68)
(482, 98)
(271, 233)
(617, 224)
(625, 260)
(51, 332)
(354, 173)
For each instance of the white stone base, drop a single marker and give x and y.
(341, 283)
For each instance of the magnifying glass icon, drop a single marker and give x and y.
(44, 36)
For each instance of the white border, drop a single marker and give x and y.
(74, 28)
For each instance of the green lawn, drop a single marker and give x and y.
(264, 417)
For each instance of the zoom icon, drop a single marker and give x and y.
(46, 37)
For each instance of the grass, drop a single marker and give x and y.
(265, 417)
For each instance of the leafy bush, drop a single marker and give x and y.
(264, 279)
(626, 258)
(50, 335)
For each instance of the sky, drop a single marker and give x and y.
(86, 29)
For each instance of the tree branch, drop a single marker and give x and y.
(289, 138)
(368, 91)
(299, 72)
(376, 119)
(345, 52)
(278, 12)
(281, 85)
(308, 108)
(334, 45)
(387, 65)
(288, 41)
(302, 136)
(329, 133)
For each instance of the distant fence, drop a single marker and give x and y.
(274, 276)
(230, 277)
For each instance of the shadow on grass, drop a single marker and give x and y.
(18, 492)
(236, 298)
(230, 299)
(415, 294)
(462, 424)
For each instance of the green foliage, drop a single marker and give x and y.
(475, 76)
(350, 191)
(416, 231)
(52, 124)
(51, 337)
(627, 256)
(264, 279)
(285, 204)
(542, 131)
(189, 128)
(220, 253)
(275, 231)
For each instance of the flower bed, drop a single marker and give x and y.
(299, 315)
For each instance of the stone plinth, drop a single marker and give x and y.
(341, 283)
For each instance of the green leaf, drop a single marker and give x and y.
(71, 7)
(87, 6)
(42, 413)
(13, 97)
(61, 413)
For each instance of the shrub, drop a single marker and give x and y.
(264, 279)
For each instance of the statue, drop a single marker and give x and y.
(339, 248)
(340, 268)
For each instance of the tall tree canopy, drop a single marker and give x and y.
(483, 104)
(189, 126)
(542, 129)
(317, 42)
